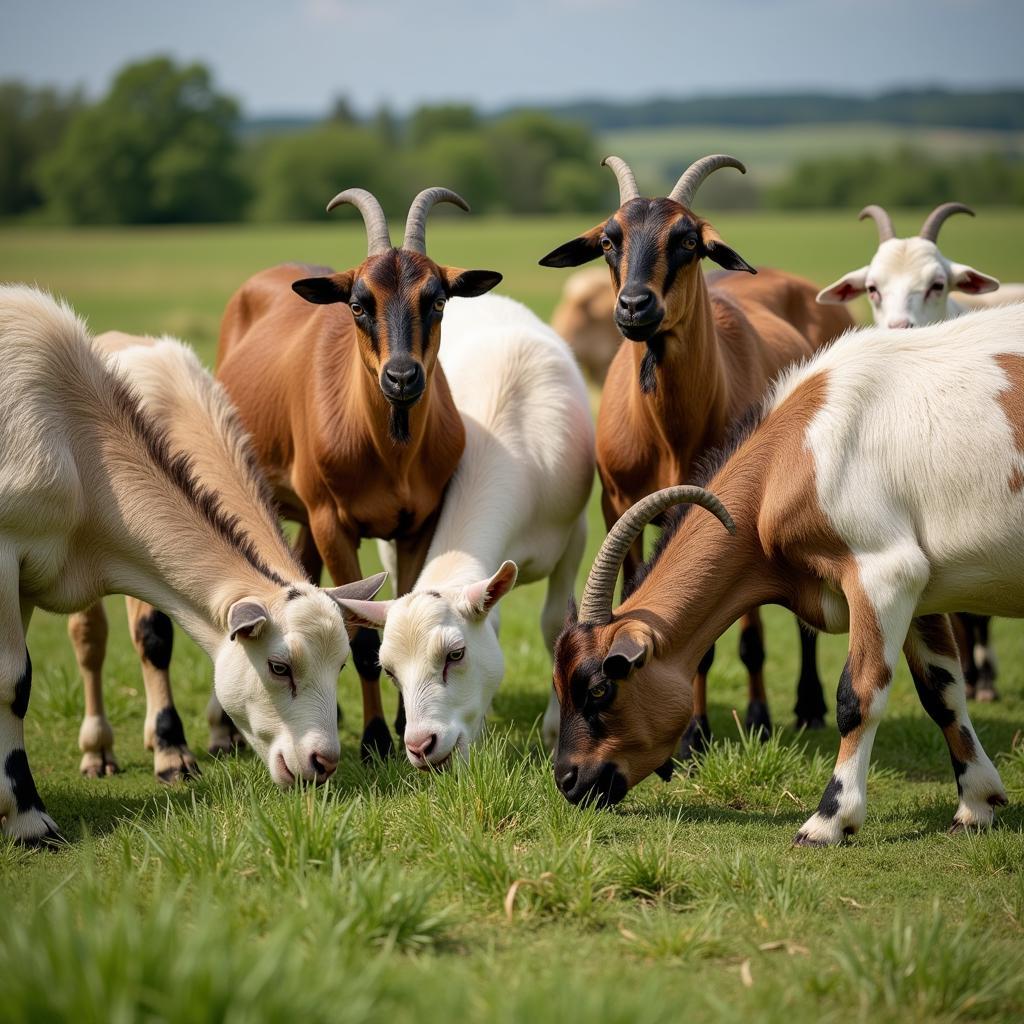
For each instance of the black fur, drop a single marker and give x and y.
(155, 635)
(168, 729)
(829, 806)
(649, 365)
(752, 649)
(26, 796)
(22, 689)
(930, 691)
(705, 663)
(398, 425)
(365, 651)
(810, 706)
(848, 716)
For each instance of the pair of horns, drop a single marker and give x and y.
(596, 603)
(378, 237)
(686, 186)
(930, 227)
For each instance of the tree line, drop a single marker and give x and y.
(165, 146)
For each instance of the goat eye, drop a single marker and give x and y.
(599, 691)
(357, 310)
(280, 669)
(606, 244)
(936, 286)
(439, 305)
(457, 655)
(690, 242)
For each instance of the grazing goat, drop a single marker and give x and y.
(94, 500)
(910, 283)
(352, 420)
(881, 488)
(519, 494)
(585, 318)
(702, 358)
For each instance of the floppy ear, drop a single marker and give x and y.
(368, 614)
(580, 250)
(848, 287)
(360, 590)
(627, 652)
(725, 256)
(246, 619)
(479, 598)
(468, 284)
(325, 290)
(970, 281)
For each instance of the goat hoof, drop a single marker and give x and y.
(98, 765)
(758, 720)
(376, 741)
(174, 766)
(803, 839)
(696, 739)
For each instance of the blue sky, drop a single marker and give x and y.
(293, 56)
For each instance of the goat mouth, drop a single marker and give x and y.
(403, 401)
(633, 331)
(286, 772)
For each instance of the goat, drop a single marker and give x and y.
(910, 283)
(94, 500)
(867, 501)
(702, 357)
(585, 318)
(351, 418)
(519, 494)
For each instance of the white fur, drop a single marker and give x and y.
(908, 283)
(85, 510)
(519, 493)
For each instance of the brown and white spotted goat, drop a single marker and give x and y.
(882, 488)
(702, 358)
(94, 500)
(348, 409)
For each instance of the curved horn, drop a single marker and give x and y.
(416, 222)
(624, 176)
(935, 219)
(881, 218)
(596, 603)
(378, 238)
(690, 180)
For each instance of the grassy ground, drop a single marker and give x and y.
(480, 894)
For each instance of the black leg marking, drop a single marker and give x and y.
(752, 649)
(696, 739)
(365, 650)
(930, 689)
(810, 694)
(829, 806)
(848, 715)
(26, 796)
(376, 741)
(168, 729)
(704, 667)
(22, 690)
(155, 636)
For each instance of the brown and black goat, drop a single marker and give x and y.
(348, 409)
(702, 358)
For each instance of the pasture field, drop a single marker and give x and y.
(479, 894)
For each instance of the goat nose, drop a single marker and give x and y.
(636, 304)
(401, 377)
(421, 748)
(567, 778)
(322, 765)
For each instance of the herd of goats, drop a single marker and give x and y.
(870, 481)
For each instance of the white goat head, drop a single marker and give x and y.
(440, 648)
(276, 675)
(908, 280)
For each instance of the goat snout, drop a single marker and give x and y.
(421, 745)
(402, 382)
(638, 306)
(601, 785)
(322, 765)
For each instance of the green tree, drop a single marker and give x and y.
(160, 147)
(32, 123)
(428, 122)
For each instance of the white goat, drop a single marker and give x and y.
(908, 281)
(519, 494)
(94, 500)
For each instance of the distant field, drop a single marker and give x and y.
(481, 895)
(655, 154)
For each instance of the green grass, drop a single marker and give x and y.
(657, 153)
(480, 894)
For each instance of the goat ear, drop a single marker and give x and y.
(970, 281)
(848, 287)
(360, 590)
(580, 250)
(246, 619)
(717, 251)
(368, 614)
(325, 290)
(468, 284)
(479, 598)
(627, 652)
